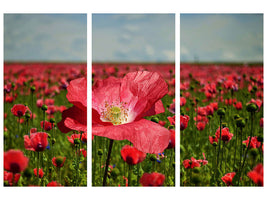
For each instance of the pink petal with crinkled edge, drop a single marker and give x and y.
(146, 136)
(107, 90)
(157, 108)
(141, 90)
(79, 117)
(75, 125)
(77, 93)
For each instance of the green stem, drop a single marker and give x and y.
(38, 157)
(107, 162)
(130, 176)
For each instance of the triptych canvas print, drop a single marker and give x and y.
(126, 100)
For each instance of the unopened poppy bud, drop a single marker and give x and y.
(260, 138)
(244, 75)
(28, 173)
(224, 124)
(27, 115)
(220, 89)
(197, 99)
(236, 116)
(115, 173)
(153, 157)
(192, 87)
(196, 179)
(215, 144)
(76, 141)
(253, 152)
(171, 127)
(48, 135)
(13, 85)
(173, 164)
(196, 170)
(255, 88)
(240, 122)
(52, 120)
(53, 140)
(244, 145)
(251, 107)
(221, 112)
(155, 119)
(209, 117)
(6, 183)
(44, 107)
(100, 152)
(190, 75)
(32, 88)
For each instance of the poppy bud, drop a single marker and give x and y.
(236, 116)
(44, 107)
(115, 173)
(173, 164)
(196, 179)
(155, 119)
(240, 122)
(260, 138)
(52, 120)
(244, 145)
(13, 85)
(244, 75)
(153, 157)
(76, 141)
(192, 87)
(53, 140)
(48, 135)
(6, 183)
(251, 107)
(190, 75)
(221, 112)
(253, 152)
(171, 127)
(209, 117)
(196, 170)
(32, 88)
(197, 99)
(28, 173)
(59, 161)
(254, 88)
(100, 152)
(215, 144)
(27, 115)
(224, 124)
(220, 89)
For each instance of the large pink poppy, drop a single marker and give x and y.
(119, 105)
(75, 118)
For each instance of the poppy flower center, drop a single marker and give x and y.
(116, 114)
(14, 167)
(39, 147)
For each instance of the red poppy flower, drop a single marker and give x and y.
(184, 122)
(256, 175)
(238, 105)
(228, 178)
(261, 122)
(209, 110)
(131, 155)
(162, 123)
(41, 173)
(39, 141)
(191, 163)
(18, 110)
(15, 161)
(53, 184)
(214, 105)
(73, 137)
(171, 120)
(8, 176)
(254, 143)
(119, 105)
(58, 161)
(213, 139)
(153, 179)
(182, 101)
(201, 111)
(75, 118)
(257, 102)
(201, 126)
(47, 125)
(226, 136)
(84, 152)
(172, 139)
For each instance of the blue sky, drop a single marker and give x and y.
(45, 37)
(221, 37)
(133, 37)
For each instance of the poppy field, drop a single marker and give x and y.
(45, 124)
(133, 124)
(221, 124)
